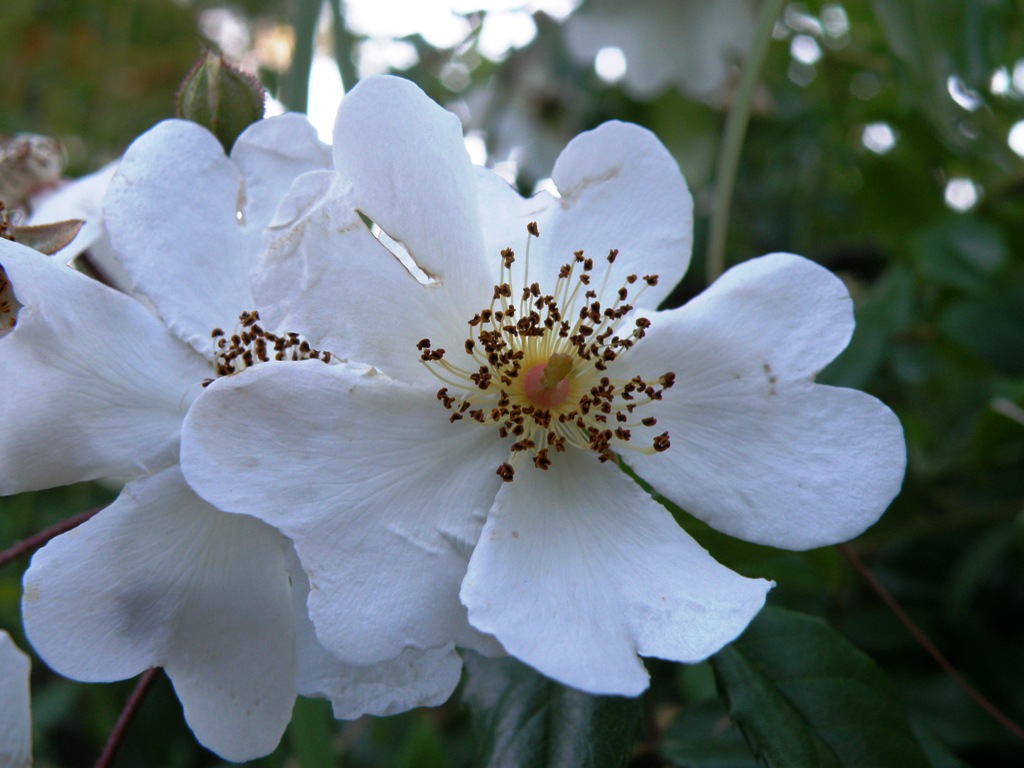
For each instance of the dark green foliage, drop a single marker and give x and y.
(524, 719)
(803, 695)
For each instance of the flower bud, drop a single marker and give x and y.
(221, 98)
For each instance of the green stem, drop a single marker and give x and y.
(344, 47)
(295, 88)
(735, 130)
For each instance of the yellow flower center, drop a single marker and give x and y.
(537, 367)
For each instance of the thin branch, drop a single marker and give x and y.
(121, 726)
(732, 140)
(36, 540)
(927, 644)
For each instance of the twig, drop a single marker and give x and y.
(37, 540)
(125, 719)
(927, 644)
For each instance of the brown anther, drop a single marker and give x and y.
(533, 229)
(506, 472)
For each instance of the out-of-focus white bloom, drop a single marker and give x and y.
(468, 482)
(97, 384)
(689, 44)
(15, 716)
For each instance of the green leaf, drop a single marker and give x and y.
(702, 736)
(523, 719)
(804, 695)
(965, 254)
(311, 733)
(989, 325)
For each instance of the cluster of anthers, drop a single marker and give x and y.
(538, 369)
(253, 344)
(8, 313)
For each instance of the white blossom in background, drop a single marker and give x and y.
(691, 45)
(460, 475)
(97, 383)
(15, 715)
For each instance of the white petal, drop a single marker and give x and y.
(196, 267)
(758, 450)
(271, 154)
(325, 276)
(382, 497)
(160, 578)
(505, 214)
(406, 161)
(578, 570)
(414, 679)
(94, 385)
(81, 199)
(172, 213)
(15, 716)
(620, 188)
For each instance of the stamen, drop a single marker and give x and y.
(252, 344)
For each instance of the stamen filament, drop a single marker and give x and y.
(539, 366)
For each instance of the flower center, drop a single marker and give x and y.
(537, 367)
(547, 384)
(252, 344)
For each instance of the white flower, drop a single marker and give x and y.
(386, 491)
(689, 44)
(83, 199)
(15, 716)
(98, 386)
